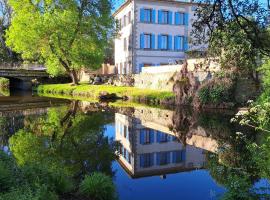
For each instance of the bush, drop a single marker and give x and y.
(4, 83)
(98, 186)
(217, 91)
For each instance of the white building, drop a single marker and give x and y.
(152, 33)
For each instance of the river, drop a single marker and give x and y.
(159, 153)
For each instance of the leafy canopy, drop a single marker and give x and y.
(64, 34)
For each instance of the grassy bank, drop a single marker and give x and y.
(93, 92)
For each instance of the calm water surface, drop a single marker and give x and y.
(161, 153)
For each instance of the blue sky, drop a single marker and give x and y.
(119, 2)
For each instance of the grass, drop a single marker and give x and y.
(92, 92)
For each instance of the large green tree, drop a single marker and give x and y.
(66, 35)
(236, 31)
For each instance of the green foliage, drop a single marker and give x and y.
(4, 82)
(98, 186)
(217, 91)
(66, 35)
(54, 152)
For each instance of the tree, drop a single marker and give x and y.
(66, 35)
(235, 31)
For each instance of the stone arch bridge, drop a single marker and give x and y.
(21, 78)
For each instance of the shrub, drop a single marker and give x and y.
(98, 186)
(4, 82)
(217, 91)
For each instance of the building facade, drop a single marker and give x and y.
(152, 33)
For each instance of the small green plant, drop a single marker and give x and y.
(4, 83)
(98, 186)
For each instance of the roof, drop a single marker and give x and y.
(166, 1)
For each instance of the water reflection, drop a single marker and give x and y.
(148, 143)
(145, 151)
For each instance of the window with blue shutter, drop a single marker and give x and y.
(153, 41)
(186, 18)
(146, 160)
(159, 16)
(141, 136)
(140, 67)
(142, 41)
(159, 41)
(170, 17)
(152, 136)
(153, 19)
(164, 42)
(178, 43)
(158, 158)
(142, 15)
(177, 157)
(185, 43)
(179, 18)
(183, 155)
(170, 42)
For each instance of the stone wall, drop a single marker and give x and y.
(161, 77)
(163, 81)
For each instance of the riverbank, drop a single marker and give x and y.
(94, 92)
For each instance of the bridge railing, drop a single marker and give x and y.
(22, 66)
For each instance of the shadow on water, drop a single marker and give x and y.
(74, 138)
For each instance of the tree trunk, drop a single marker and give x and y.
(74, 77)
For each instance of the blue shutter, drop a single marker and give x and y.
(159, 16)
(151, 159)
(181, 20)
(175, 42)
(140, 67)
(174, 157)
(170, 17)
(153, 16)
(159, 41)
(141, 136)
(170, 42)
(153, 40)
(142, 41)
(141, 161)
(142, 15)
(168, 157)
(177, 18)
(186, 19)
(158, 158)
(152, 136)
(183, 155)
(185, 43)
(158, 136)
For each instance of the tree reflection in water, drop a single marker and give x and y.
(65, 142)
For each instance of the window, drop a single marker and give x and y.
(129, 17)
(179, 43)
(146, 160)
(179, 18)
(164, 17)
(164, 41)
(146, 15)
(163, 158)
(178, 156)
(125, 44)
(147, 64)
(162, 137)
(147, 41)
(146, 136)
(125, 20)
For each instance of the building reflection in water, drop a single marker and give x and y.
(145, 151)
